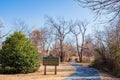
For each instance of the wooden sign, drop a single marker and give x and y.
(50, 61)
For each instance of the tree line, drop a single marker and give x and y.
(54, 38)
(59, 37)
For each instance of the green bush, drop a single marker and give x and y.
(18, 55)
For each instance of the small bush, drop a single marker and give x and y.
(109, 62)
(18, 55)
(76, 60)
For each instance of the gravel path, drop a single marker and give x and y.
(83, 73)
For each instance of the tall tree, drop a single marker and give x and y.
(77, 29)
(61, 29)
(82, 27)
(76, 32)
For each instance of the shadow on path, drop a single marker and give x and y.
(83, 73)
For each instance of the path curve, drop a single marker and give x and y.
(83, 73)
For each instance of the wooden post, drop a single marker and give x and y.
(55, 70)
(45, 70)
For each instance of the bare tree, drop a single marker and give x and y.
(48, 35)
(89, 47)
(2, 35)
(56, 49)
(80, 29)
(37, 39)
(102, 6)
(20, 25)
(68, 49)
(76, 32)
(61, 29)
(42, 39)
(1, 25)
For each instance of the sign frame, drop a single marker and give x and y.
(50, 61)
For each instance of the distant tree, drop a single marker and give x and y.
(102, 6)
(42, 39)
(68, 49)
(37, 39)
(89, 47)
(20, 25)
(48, 37)
(2, 35)
(55, 49)
(1, 25)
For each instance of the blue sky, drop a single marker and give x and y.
(33, 12)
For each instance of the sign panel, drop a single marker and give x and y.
(50, 61)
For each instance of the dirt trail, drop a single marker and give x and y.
(83, 73)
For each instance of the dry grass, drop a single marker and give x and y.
(63, 70)
(106, 76)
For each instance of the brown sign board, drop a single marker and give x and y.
(50, 61)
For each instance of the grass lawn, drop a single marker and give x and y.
(63, 70)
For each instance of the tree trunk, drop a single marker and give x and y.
(61, 52)
(81, 55)
(78, 51)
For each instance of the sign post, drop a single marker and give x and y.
(55, 70)
(50, 61)
(44, 70)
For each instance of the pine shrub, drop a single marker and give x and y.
(18, 55)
